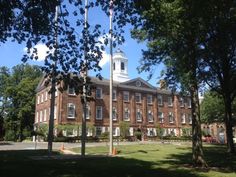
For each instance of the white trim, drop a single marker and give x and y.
(70, 106)
(125, 93)
(100, 92)
(97, 108)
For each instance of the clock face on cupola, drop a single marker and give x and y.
(120, 67)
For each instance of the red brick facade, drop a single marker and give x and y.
(142, 109)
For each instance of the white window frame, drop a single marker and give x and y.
(55, 112)
(100, 130)
(46, 95)
(183, 118)
(170, 101)
(149, 99)
(172, 117)
(160, 100)
(189, 103)
(41, 116)
(98, 117)
(88, 112)
(161, 117)
(42, 98)
(190, 119)
(138, 112)
(56, 91)
(37, 117)
(126, 93)
(181, 102)
(70, 106)
(114, 114)
(127, 113)
(98, 93)
(39, 98)
(138, 98)
(150, 113)
(45, 115)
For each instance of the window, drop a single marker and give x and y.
(138, 97)
(151, 132)
(160, 100)
(37, 117)
(170, 101)
(71, 90)
(40, 116)
(122, 66)
(71, 111)
(41, 97)
(88, 112)
(114, 66)
(138, 84)
(46, 95)
(161, 117)
(149, 99)
(190, 118)
(98, 131)
(38, 100)
(150, 116)
(114, 95)
(126, 96)
(189, 103)
(55, 112)
(139, 115)
(171, 117)
(114, 113)
(116, 131)
(181, 101)
(183, 119)
(99, 112)
(127, 114)
(45, 115)
(99, 93)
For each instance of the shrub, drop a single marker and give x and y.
(10, 135)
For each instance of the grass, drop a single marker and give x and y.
(150, 160)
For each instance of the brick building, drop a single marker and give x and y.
(135, 101)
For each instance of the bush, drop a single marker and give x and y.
(10, 135)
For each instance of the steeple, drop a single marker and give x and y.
(120, 66)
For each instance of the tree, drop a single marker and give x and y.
(4, 102)
(124, 129)
(20, 93)
(171, 30)
(212, 108)
(219, 55)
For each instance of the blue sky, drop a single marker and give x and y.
(11, 53)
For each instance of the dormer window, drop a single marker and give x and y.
(122, 66)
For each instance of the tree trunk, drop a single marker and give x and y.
(197, 150)
(228, 123)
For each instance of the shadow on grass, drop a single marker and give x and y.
(19, 163)
(216, 156)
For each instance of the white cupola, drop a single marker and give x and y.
(120, 67)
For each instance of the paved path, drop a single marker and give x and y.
(57, 146)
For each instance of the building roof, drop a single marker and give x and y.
(136, 84)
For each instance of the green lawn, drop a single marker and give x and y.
(153, 160)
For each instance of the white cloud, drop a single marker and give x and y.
(105, 56)
(42, 51)
(105, 59)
